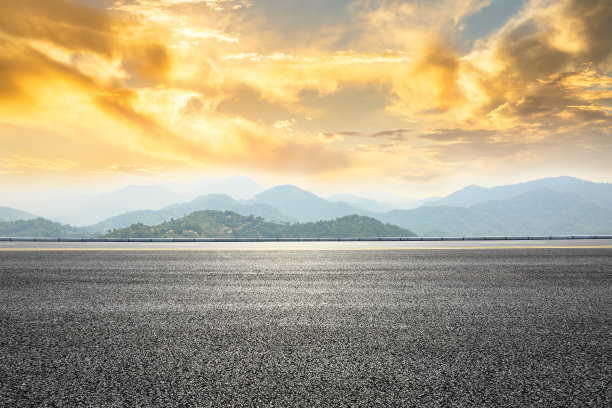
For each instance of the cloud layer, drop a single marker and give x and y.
(393, 90)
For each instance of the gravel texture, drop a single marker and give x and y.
(505, 327)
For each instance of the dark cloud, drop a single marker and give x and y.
(81, 29)
(387, 146)
(420, 176)
(331, 135)
(399, 134)
(528, 54)
(566, 34)
(592, 20)
(553, 68)
(193, 106)
(453, 135)
(148, 64)
(62, 22)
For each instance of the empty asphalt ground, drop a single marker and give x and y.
(461, 327)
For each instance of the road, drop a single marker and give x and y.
(305, 246)
(471, 325)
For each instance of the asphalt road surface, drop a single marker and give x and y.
(421, 327)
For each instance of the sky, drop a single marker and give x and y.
(413, 98)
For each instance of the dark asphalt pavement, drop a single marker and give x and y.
(479, 327)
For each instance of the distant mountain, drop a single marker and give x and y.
(538, 212)
(39, 228)
(241, 188)
(228, 224)
(82, 208)
(11, 214)
(223, 202)
(571, 206)
(218, 202)
(85, 209)
(598, 193)
(305, 206)
(389, 203)
(362, 203)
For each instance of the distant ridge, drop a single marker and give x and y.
(538, 212)
(569, 207)
(599, 193)
(305, 206)
(278, 204)
(11, 214)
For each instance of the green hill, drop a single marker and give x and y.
(40, 227)
(228, 224)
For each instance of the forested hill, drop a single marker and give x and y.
(228, 224)
(39, 228)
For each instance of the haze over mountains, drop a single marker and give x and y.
(552, 206)
(537, 212)
(83, 209)
(595, 192)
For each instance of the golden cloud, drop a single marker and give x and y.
(26, 162)
(149, 76)
(326, 137)
(61, 22)
(49, 44)
(532, 70)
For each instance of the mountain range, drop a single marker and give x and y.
(600, 193)
(220, 202)
(552, 206)
(82, 208)
(278, 204)
(537, 212)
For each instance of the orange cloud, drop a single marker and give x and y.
(26, 162)
(62, 22)
(148, 62)
(151, 77)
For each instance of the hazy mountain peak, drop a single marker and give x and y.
(213, 196)
(284, 193)
(600, 193)
(287, 188)
(238, 187)
(11, 214)
(304, 205)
